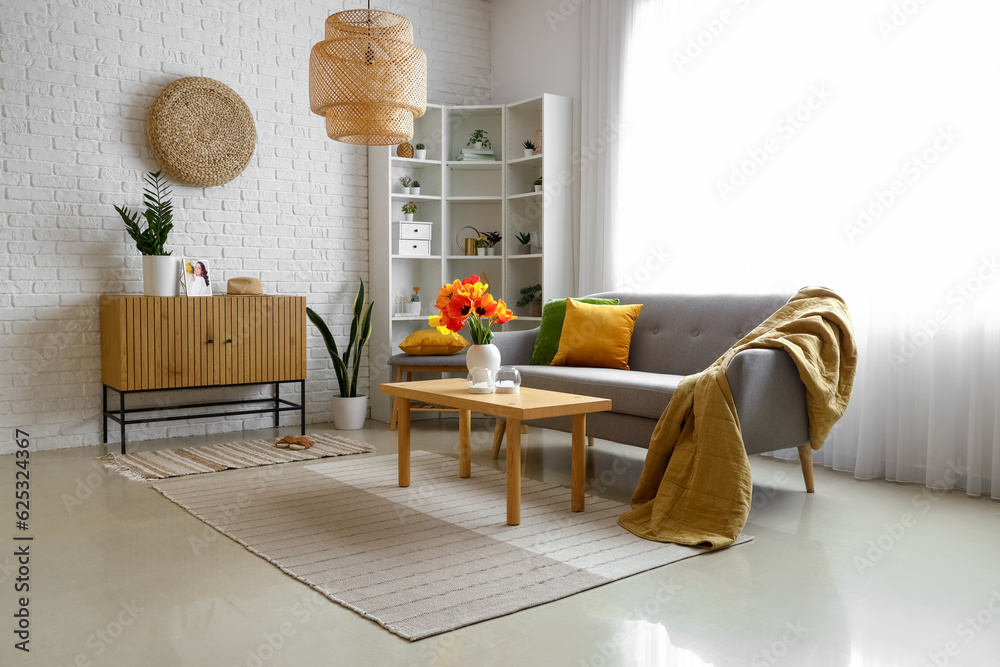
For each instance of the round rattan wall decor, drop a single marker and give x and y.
(201, 131)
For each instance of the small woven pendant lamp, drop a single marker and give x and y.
(367, 78)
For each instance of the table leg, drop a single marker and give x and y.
(104, 403)
(513, 472)
(302, 406)
(121, 416)
(579, 463)
(498, 427)
(395, 401)
(277, 404)
(464, 443)
(403, 424)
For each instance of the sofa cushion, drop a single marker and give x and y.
(631, 392)
(547, 341)
(427, 342)
(596, 336)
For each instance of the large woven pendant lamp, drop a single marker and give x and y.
(367, 78)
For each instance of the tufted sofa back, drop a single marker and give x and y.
(681, 334)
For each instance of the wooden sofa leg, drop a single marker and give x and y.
(806, 459)
(590, 441)
(498, 430)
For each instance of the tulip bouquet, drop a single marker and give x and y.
(468, 301)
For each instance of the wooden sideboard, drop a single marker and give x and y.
(156, 343)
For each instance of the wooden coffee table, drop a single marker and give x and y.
(515, 408)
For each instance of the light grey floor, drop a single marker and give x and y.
(859, 574)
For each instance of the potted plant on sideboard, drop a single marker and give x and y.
(349, 409)
(159, 269)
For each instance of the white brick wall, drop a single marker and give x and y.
(76, 80)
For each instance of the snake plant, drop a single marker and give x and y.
(361, 330)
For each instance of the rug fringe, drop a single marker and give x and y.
(110, 462)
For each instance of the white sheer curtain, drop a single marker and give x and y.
(767, 146)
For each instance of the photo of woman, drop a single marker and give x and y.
(195, 277)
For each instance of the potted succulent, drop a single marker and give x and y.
(481, 246)
(492, 239)
(349, 409)
(531, 297)
(415, 187)
(405, 182)
(159, 269)
(479, 139)
(420, 152)
(413, 307)
(538, 184)
(524, 239)
(529, 148)
(409, 208)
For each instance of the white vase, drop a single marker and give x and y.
(159, 275)
(349, 413)
(523, 249)
(483, 356)
(407, 217)
(420, 153)
(528, 152)
(538, 188)
(413, 308)
(477, 145)
(406, 191)
(481, 252)
(414, 191)
(491, 251)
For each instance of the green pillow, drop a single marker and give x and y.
(547, 343)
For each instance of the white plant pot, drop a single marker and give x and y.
(420, 153)
(481, 252)
(524, 249)
(406, 191)
(414, 191)
(349, 413)
(477, 145)
(413, 308)
(407, 217)
(159, 276)
(491, 251)
(538, 188)
(483, 356)
(528, 152)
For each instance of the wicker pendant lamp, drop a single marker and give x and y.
(367, 78)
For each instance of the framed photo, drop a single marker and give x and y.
(195, 277)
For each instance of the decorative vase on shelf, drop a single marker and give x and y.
(414, 191)
(477, 145)
(159, 275)
(407, 217)
(420, 153)
(524, 249)
(528, 152)
(481, 252)
(538, 188)
(491, 251)
(535, 309)
(413, 308)
(349, 413)
(483, 356)
(406, 191)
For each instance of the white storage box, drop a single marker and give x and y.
(414, 247)
(411, 230)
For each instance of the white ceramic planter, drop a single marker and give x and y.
(406, 191)
(349, 413)
(538, 188)
(159, 276)
(528, 152)
(420, 153)
(483, 356)
(407, 217)
(481, 252)
(414, 191)
(413, 308)
(491, 251)
(524, 249)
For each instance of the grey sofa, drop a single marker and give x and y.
(675, 336)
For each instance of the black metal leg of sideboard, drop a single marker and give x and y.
(277, 403)
(302, 404)
(104, 411)
(121, 414)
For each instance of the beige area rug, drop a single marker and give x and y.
(213, 458)
(429, 558)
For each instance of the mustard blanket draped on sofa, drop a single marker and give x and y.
(695, 486)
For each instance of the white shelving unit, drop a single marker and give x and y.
(488, 196)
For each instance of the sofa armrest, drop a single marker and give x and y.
(770, 400)
(515, 346)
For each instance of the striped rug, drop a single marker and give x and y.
(429, 558)
(165, 463)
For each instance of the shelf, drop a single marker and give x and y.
(525, 159)
(400, 195)
(474, 164)
(536, 255)
(417, 256)
(411, 318)
(414, 161)
(475, 257)
(474, 199)
(527, 318)
(524, 195)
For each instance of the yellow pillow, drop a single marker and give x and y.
(596, 336)
(432, 341)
